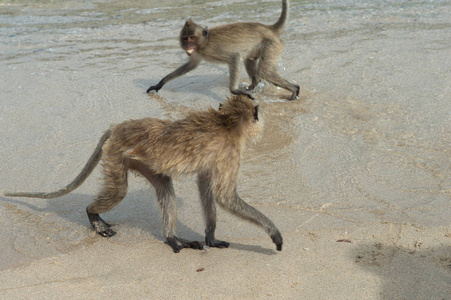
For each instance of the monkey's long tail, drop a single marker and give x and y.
(280, 24)
(85, 172)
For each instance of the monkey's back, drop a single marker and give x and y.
(243, 38)
(173, 148)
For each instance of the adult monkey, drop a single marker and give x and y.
(209, 143)
(258, 45)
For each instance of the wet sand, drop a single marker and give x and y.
(356, 173)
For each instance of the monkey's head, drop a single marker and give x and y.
(242, 114)
(193, 37)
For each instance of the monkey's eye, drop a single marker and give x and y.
(205, 33)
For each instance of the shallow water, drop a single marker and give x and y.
(369, 140)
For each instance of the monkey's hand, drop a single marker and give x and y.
(277, 239)
(155, 87)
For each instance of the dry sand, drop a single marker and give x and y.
(356, 173)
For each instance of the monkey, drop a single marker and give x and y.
(209, 143)
(257, 45)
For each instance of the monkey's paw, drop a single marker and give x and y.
(107, 233)
(100, 226)
(178, 244)
(295, 94)
(216, 243)
(277, 239)
(154, 88)
(239, 92)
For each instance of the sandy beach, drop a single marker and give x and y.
(356, 173)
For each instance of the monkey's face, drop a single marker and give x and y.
(193, 37)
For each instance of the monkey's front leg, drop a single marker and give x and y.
(210, 238)
(234, 70)
(206, 196)
(210, 215)
(185, 68)
(240, 208)
(168, 203)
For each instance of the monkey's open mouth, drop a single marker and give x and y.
(190, 50)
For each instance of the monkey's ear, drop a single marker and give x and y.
(256, 113)
(206, 33)
(189, 22)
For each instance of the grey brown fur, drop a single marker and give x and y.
(257, 45)
(209, 143)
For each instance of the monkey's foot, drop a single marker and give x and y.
(100, 226)
(154, 88)
(251, 87)
(178, 244)
(212, 242)
(277, 239)
(239, 92)
(295, 94)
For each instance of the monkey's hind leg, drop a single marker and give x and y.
(206, 196)
(168, 203)
(100, 226)
(234, 70)
(113, 191)
(252, 71)
(268, 71)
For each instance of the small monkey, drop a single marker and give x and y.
(209, 143)
(257, 45)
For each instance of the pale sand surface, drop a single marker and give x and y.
(356, 173)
